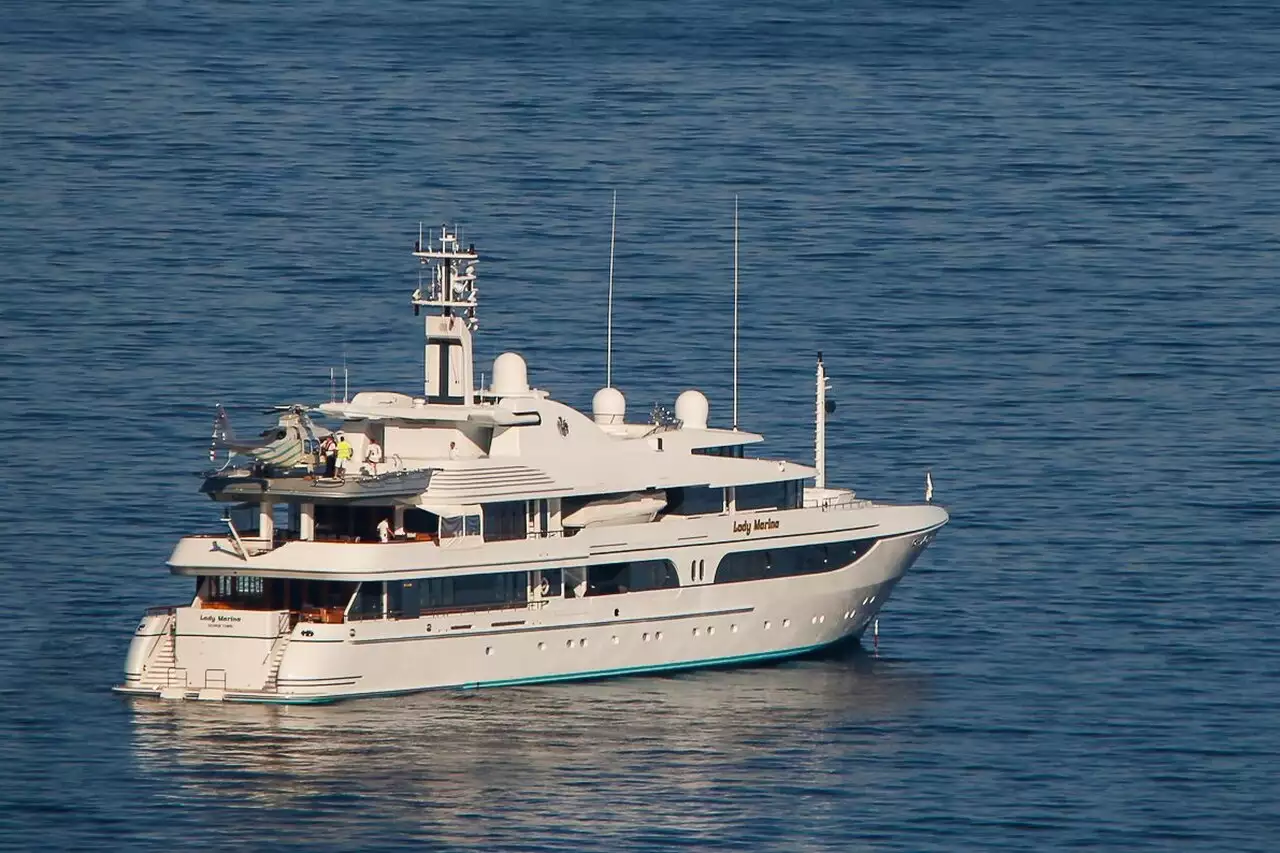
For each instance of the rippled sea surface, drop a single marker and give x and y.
(1037, 244)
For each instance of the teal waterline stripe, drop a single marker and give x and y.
(662, 667)
(544, 679)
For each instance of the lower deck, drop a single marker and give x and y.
(504, 628)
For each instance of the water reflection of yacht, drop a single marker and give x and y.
(533, 765)
(484, 537)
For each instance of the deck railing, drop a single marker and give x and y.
(827, 503)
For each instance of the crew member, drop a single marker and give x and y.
(329, 452)
(344, 454)
(373, 457)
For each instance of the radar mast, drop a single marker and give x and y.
(450, 292)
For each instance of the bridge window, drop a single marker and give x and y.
(732, 451)
(787, 494)
(695, 500)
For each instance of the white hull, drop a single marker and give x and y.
(705, 625)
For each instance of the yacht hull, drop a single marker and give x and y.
(708, 625)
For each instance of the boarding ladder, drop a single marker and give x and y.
(277, 655)
(161, 665)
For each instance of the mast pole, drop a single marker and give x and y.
(820, 429)
(735, 310)
(608, 358)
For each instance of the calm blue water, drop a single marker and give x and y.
(1037, 244)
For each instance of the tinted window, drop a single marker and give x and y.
(420, 521)
(251, 593)
(505, 521)
(634, 576)
(553, 581)
(348, 523)
(463, 592)
(695, 500)
(787, 494)
(368, 603)
(733, 451)
(498, 588)
(402, 599)
(788, 562)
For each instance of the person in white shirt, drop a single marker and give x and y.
(373, 457)
(384, 531)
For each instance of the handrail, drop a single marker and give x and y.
(838, 502)
(235, 537)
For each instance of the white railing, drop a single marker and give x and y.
(828, 502)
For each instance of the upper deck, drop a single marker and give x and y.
(463, 467)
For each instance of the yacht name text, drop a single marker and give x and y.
(218, 620)
(755, 524)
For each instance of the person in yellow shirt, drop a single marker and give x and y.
(344, 455)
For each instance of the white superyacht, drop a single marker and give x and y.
(483, 537)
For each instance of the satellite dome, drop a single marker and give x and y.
(692, 409)
(608, 406)
(510, 376)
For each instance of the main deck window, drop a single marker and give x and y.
(789, 562)
(253, 593)
(634, 576)
(368, 602)
(409, 599)
(240, 593)
(415, 597)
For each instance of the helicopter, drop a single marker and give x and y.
(281, 447)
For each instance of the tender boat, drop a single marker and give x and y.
(482, 537)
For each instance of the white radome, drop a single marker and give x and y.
(510, 375)
(692, 409)
(609, 406)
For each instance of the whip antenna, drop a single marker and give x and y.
(735, 310)
(608, 358)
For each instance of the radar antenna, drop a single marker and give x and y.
(452, 287)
